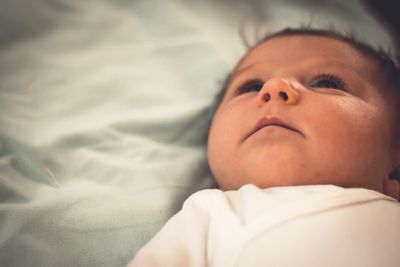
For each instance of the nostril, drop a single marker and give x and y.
(283, 95)
(267, 97)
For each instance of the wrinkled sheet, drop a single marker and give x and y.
(104, 112)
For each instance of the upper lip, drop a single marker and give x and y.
(272, 121)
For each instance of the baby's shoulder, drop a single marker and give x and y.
(217, 202)
(218, 195)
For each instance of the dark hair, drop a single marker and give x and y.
(384, 60)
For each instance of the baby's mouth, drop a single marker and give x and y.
(272, 121)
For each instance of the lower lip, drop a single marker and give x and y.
(272, 127)
(275, 126)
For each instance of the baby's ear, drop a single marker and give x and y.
(391, 183)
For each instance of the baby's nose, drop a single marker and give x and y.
(279, 90)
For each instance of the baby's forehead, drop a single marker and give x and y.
(294, 48)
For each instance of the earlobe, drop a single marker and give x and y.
(391, 185)
(394, 175)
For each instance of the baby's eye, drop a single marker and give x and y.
(329, 81)
(251, 86)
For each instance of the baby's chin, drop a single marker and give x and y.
(268, 183)
(234, 182)
(293, 176)
(277, 172)
(274, 167)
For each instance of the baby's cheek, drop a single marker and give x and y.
(372, 123)
(362, 132)
(223, 142)
(219, 139)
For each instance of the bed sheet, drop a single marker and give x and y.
(104, 112)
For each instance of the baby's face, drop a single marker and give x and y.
(300, 110)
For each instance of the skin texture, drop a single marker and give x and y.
(340, 133)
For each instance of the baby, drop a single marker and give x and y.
(305, 147)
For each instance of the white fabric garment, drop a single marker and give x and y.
(314, 225)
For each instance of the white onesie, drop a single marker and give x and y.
(314, 225)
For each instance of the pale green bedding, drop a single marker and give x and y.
(104, 111)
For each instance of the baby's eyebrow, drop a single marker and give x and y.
(240, 71)
(342, 65)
